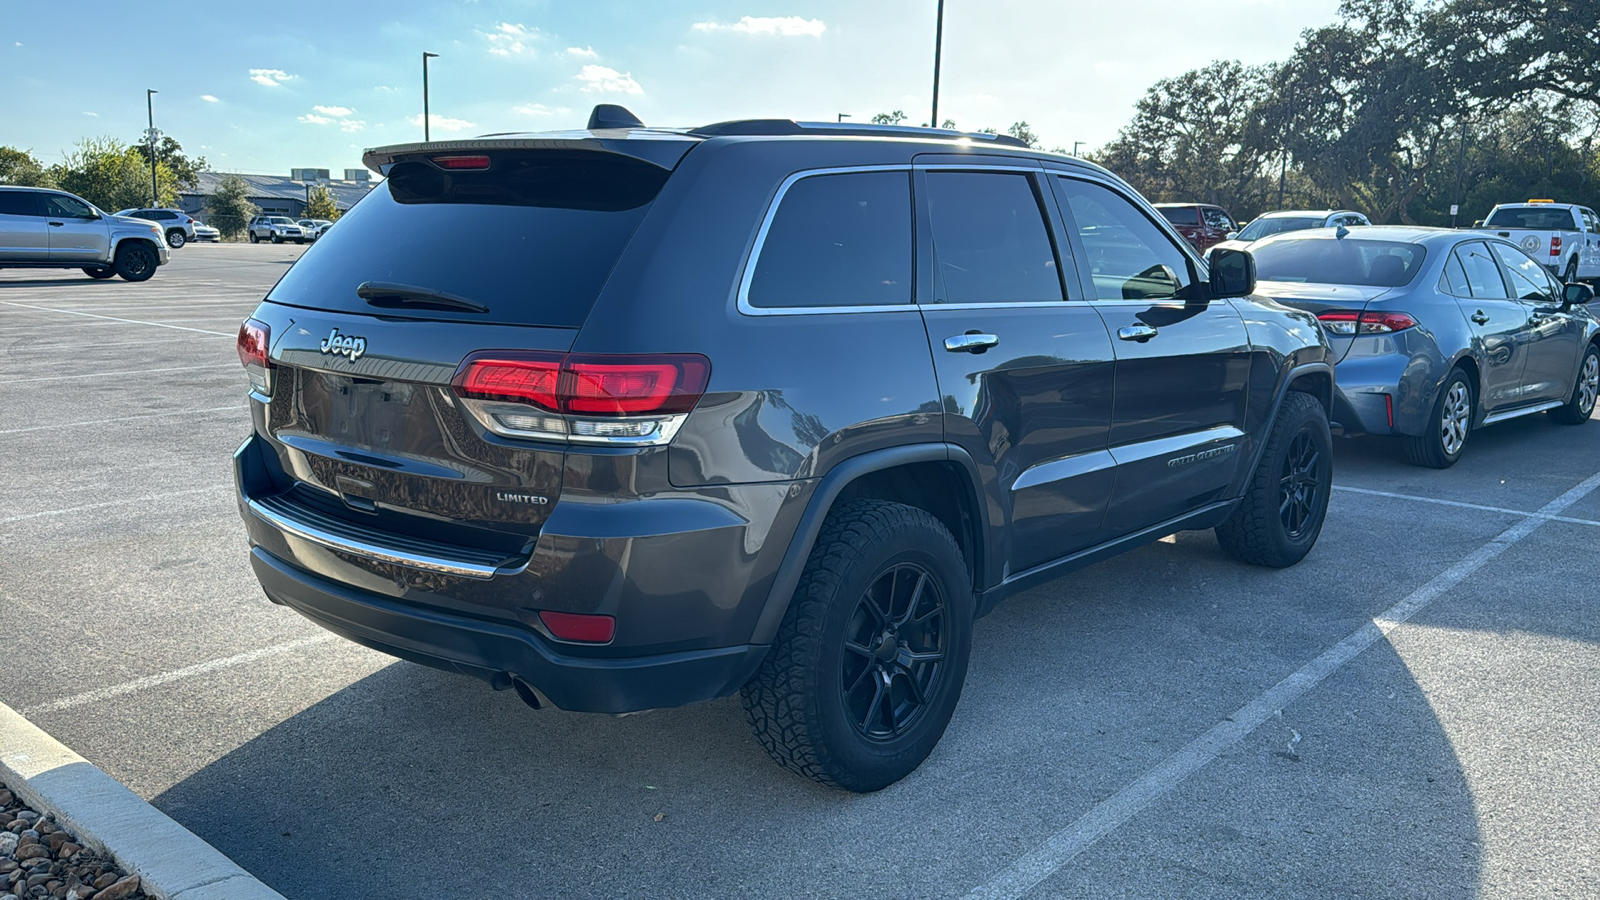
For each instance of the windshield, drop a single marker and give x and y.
(1540, 218)
(1261, 228)
(1181, 215)
(1339, 261)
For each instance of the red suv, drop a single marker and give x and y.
(1201, 224)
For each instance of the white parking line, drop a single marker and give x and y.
(133, 372)
(1461, 505)
(1032, 868)
(175, 412)
(57, 348)
(122, 502)
(150, 681)
(73, 312)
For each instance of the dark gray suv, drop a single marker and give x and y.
(627, 417)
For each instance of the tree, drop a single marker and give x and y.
(889, 118)
(20, 168)
(114, 176)
(1023, 133)
(170, 153)
(229, 208)
(321, 205)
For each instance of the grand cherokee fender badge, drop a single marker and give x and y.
(344, 345)
(1213, 453)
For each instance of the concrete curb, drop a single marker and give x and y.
(170, 860)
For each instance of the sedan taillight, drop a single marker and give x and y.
(1351, 324)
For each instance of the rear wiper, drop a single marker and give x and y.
(389, 294)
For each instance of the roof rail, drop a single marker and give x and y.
(780, 127)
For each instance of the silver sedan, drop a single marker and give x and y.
(1438, 332)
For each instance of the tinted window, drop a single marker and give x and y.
(1529, 280)
(1261, 228)
(838, 240)
(534, 238)
(18, 203)
(1216, 218)
(1483, 275)
(1454, 279)
(1128, 256)
(1180, 215)
(1338, 261)
(69, 207)
(990, 241)
(1541, 218)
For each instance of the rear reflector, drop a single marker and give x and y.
(461, 162)
(254, 339)
(578, 627)
(1350, 324)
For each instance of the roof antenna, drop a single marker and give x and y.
(610, 115)
(1341, 232)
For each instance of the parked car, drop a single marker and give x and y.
(1565, 238)
(276, 229)
(1269, 224)
(175, 224)
(205, 233)
(49, 229)
(1438, 332)
(640, 486)
(1201, 224)
(313, 228)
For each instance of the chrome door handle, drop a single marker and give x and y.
(971, 342)
(1140, 333)
(1480, 318)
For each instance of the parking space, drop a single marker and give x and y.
(1167, 723)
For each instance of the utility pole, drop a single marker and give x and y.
(938, 45)
(1283, 173)
(1461, 160)
(425, 57)
(150, 137)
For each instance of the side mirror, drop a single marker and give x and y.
(1576, 294)
(1233, 273)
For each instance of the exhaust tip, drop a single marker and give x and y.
(526, 692)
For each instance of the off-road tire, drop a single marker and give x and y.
(98, 273)
(176, 239)
(1256, 532)
(1580, 404)
(796, 701)
(136, 262)
(1427, 449)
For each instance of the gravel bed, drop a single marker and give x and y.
(39, 860)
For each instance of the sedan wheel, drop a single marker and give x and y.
(1580, 405)
(175, 239)
(1441, 443)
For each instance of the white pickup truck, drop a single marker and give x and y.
(1562, 236)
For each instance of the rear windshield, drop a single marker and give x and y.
(1261, 228)
(533, 239)
(1542, 219)
(1181, 215)
(1346, 261)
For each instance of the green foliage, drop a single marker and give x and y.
(229, 209)
(170, 153)
(321, 204)
(20, 168)
(889, 118)
(113, 176)
(1023, 133)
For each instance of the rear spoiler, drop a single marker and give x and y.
(657, 147)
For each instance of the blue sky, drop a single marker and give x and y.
(264, 87)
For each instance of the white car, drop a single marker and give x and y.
(276, 229)
(313, 228)
(1563, 237)
(1285, 220)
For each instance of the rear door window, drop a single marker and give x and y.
(990, 240)
(1454, 279)
(533, 238)
(19, 203)
(837, 240)
(1483, 273)
(1129, 257)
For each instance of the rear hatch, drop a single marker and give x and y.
(503, 245)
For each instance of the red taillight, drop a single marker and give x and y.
(254, 339)
(579, 627)
(1555, 245)
(462, 162)
(1350, 324)
(587, 385)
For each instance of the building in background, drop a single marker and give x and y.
(277, 195)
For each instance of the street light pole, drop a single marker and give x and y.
(425, 57)
(938, 45)
(1075, 146)
(1283, 172)
(150, 137)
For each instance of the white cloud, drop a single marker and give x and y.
(340, 111)
(539, 109)
(209, 99)
(386, 89)
(583, 52)
(606, 80)
(314, 119)
(442, 123)
(783, 26)
(508, 39)
(270, 77)
(352, 125)
(92, 115)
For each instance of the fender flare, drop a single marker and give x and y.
(1289, 378)
(822, 499)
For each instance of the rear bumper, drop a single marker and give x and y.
(1387, 375)
(497, 652)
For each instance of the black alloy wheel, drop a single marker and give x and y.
(1300, 493)
(1281, 514)
(895, 645)
(136, 262)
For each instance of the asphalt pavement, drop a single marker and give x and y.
(1410, 712)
